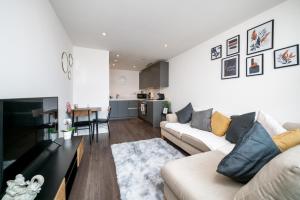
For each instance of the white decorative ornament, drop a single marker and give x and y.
(18, 189)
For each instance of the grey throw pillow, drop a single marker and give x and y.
(185, 114)
(202, 120)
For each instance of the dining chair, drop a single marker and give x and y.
(103, 121)
(82, 124)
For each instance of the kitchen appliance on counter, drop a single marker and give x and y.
(160, 96)
(141, 96)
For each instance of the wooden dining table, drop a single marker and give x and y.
(94, 110)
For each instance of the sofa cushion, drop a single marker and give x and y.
(249, 155)
(202, 120)
(173, 132)
(195, 142)
(195, 177)
(279, 179)
(219, 123)
(287, 140)
(239, 126)
(185, 114)
(199, 137)
(270, 124)
(172, 118)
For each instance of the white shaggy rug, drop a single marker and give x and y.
(138, 167)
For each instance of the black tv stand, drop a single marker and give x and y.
(58, 166)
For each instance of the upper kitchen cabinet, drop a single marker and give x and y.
(155, 76)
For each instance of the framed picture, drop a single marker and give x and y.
(230, 67)
(216, 52)
(286, 57)
(260, 38)
(233, 45)
(255, 65)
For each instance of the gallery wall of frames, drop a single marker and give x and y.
(259, 39)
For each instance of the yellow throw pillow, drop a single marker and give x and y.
(219, 124)
(287, 140)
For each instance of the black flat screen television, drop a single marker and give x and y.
(25, 126)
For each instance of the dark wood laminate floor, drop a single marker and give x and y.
(96, 177)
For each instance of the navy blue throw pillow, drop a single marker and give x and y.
(239, 126)
(185, 114)
(249, 155)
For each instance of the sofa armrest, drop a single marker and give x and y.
(171, 118)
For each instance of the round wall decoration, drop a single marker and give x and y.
(70, 60)
(64, 62)
(123, 80)
(69, 75)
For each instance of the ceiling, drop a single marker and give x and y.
(137, 30)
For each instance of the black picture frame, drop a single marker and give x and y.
(238, 45)
(211, 53)
(297, 54)
(237, 57)
(261, 66)
(272, 38)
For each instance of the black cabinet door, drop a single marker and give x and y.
(114, 109)
(122, 109)
(140, 114)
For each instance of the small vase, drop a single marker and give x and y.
(67, 135)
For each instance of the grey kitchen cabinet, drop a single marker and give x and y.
(132, 108)
(149, 116)
(153, 112)
(155, 76)
(114, 109)
(122, 109)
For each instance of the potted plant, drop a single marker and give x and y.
(52, 133)
(69, 129)
(167, 107)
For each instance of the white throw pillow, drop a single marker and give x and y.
(272, 126)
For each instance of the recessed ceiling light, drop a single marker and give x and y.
(113, 64)
(165, 45)
(117, 55)
(115, 60)
(134, 66)
(103, 34)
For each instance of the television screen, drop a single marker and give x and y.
(25, 129)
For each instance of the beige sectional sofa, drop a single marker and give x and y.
(192, 140)
(195, 177)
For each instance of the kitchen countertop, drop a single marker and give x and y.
(135, 100)
(124, 99)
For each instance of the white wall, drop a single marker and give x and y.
(91, 77)
(195, 78)
(123, 82)
(32, 40)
